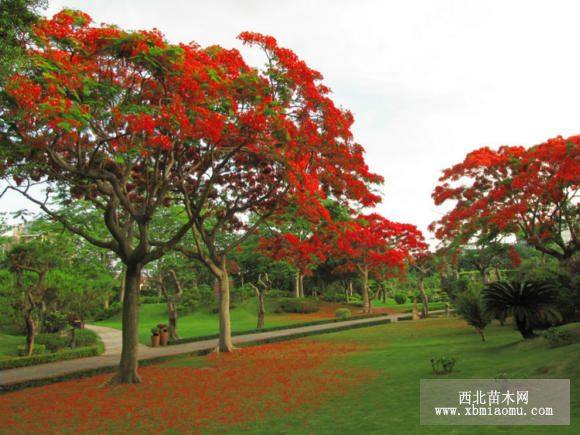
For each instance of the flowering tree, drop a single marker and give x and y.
(282, 143)
(529, 192)
(132, 125)
(372, 243)
(301, 251)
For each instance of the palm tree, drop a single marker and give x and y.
(527, 302)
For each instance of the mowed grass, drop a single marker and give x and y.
(357, 381)
(202, 322)
(9, 345)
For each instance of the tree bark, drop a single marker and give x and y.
(128, 366)
(30, 333)
(481, 333)
(225, 340)
(365, 289)
(122, 289)
(424, 299)
(301, 285)
(297, 285)
(526, 330)
(261, 310)
(172, 313)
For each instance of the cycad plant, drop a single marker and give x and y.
(527, 302)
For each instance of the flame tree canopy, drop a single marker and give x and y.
(529, 192)
(133, 124)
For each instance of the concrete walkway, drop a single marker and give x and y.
(112, 339)
(43, 373)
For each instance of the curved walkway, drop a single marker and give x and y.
(108, 361)
(111, 338)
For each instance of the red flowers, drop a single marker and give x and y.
(229, 390)
(513, 189)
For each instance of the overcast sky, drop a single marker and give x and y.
(427, 81)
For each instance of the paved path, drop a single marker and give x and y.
(111, 338)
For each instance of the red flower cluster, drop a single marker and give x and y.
(251, 384)
(515, 190)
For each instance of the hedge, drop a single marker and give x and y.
(81, 352)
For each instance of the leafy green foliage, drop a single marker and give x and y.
(400, 298)
(557, 337)
(292, 305)
(343, 313)
(529, 303)
(470, 306)
(442, 365)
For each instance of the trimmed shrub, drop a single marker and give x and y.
(293, 305)
(275, 293)
(151, 300)
(558, 337)
(343, 313)
(81, 352)
(400, 298)
(37, 349)
(442, 365)
(53, 341)
(85, 337)
(114, 309)
(333, 297)
(55, 322)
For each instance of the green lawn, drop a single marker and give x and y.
(408, 306)
(399, 355)
(9, 343)
(202, 322)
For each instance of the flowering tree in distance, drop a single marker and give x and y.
(529, 192)
(372, 243)
(288, 146)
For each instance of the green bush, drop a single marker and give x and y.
(114, 309)
(85, 337)
(558, 337)
(442, 365)
(293, 305)
(24, 361)
(275, 293)
(400, 298)
(333, 297)
(55, 322)
(151, 299)
(37, 349)
(343, 313)
(242, 293)
(53, 341)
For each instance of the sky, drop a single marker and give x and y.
(427, 81)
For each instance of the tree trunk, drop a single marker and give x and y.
(122, 289)
(424, 299)
(365, 289)
(225, 340)
(526, 330)
(301, 285)
(129, 364)
(106, 302)
(172, 312)
(297, 285)
(481, 333)
(484, 278)
(350, 289)
(30, 333)
(261, 310)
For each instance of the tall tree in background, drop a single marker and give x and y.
(529, 192)
(371, 242)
